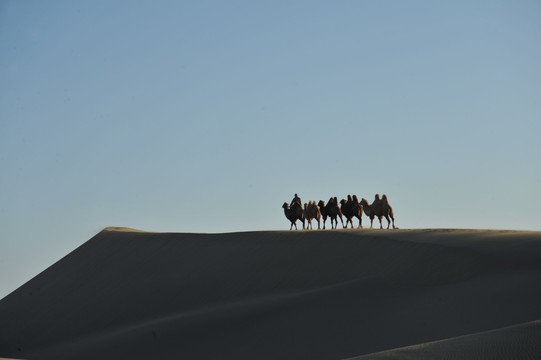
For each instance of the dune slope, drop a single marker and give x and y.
(268, 295)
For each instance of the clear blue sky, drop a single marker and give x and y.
(205, 116)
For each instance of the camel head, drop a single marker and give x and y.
(285, 206)
(321, 203)
(343, 201)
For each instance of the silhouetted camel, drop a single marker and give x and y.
(311, 211)
(357, 210)
(332, 210)
(323, 211)
(351, 208)
(293, 214)
(379, 208)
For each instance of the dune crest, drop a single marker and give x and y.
(518, 341)
(122, 229)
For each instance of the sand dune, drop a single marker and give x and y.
(279, 295)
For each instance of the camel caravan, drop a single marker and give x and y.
(350, 208)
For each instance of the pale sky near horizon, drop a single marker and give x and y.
(205, 116)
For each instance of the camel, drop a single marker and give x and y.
(379, 208)
(331, 210)
(323, 211)
(293, 214)
(311, 211)
(358, 210)
(351, 208)
(346, 212)
(334, 211)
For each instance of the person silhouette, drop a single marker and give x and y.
(296, 200)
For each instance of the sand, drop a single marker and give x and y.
(403, 294)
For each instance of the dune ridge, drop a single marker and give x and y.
(272, 294)
(518, 341)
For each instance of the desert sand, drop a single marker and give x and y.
(333, 294)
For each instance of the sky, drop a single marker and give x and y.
(205, 116)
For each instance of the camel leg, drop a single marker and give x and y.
(380, 223)
(361, 222)
(371, 222)
(318, 227)
(388, 221)
(303, 224)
